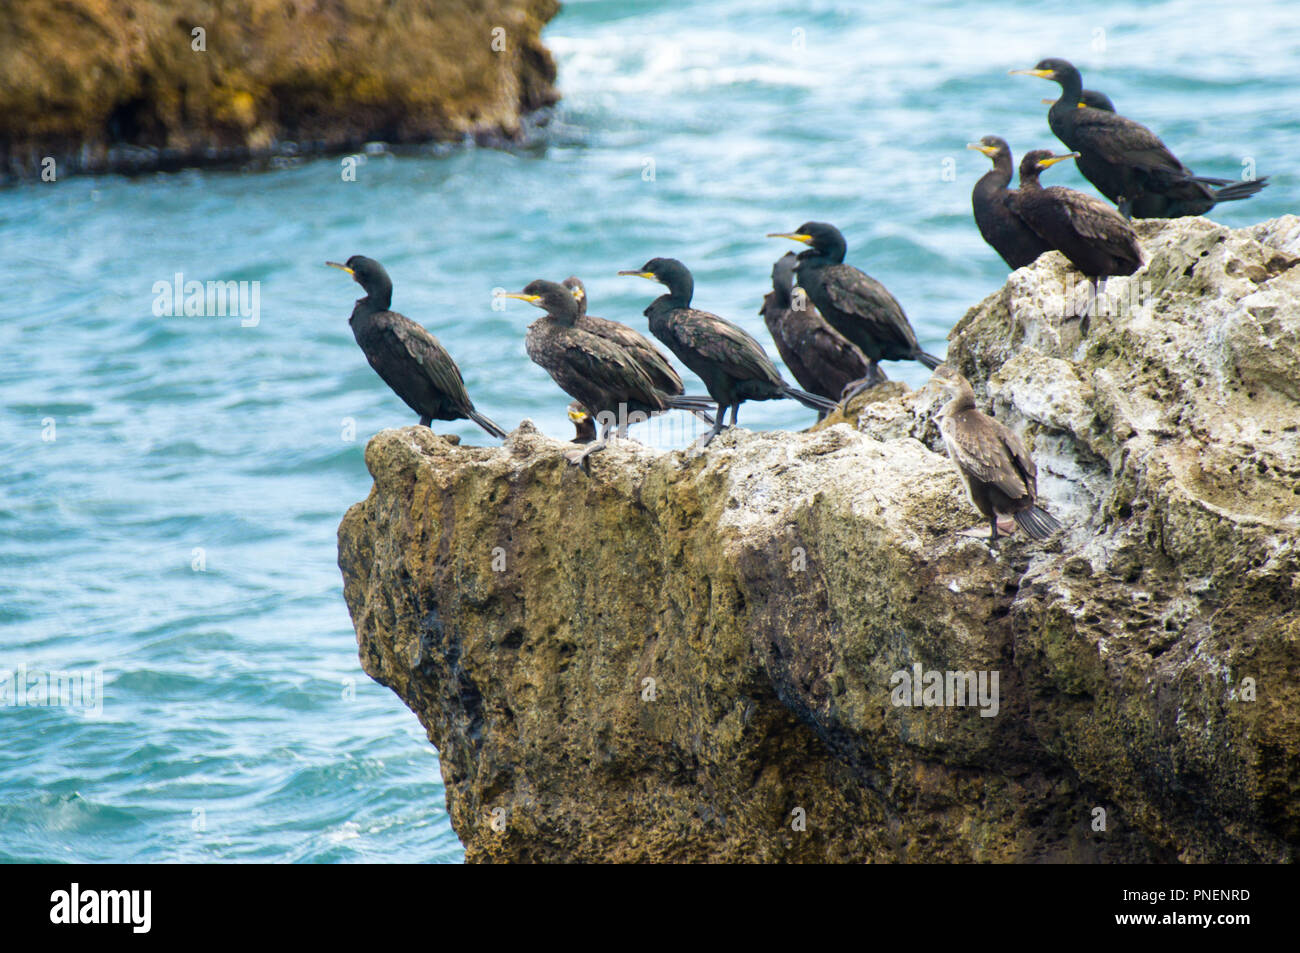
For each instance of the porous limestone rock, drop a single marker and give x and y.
(691, 657)
(136, 85)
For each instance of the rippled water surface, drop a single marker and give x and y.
(177, 534)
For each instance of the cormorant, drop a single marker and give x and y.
(651, 359)
(731, 364)
(1096, 238)
(1125, 160)
(999, 473)
(997, 208)
(583, 425)
(854, 303)
(599, 374)
(821, 359)
(405, 355)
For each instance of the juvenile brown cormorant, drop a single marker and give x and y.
(821, 359)
(1096, 238)
(405, 355)
(999, 473)
(731, 364)
(997, 208)
(854, 303)
(583, 425)
(599, 374)
(1125, 160)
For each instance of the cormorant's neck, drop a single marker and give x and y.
(379, 297)
(830, 253)
(564, 316)
(681, 289)
(1071, 88)
(997, 178)
(781, 294)
(963, 401)
(782, 285)
(1029, 182)
(1003, 167)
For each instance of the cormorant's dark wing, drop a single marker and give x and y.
(730, 347)
(603, 364)
(1100, 223)
(828, 347)
(855, 292)
(653, 360)
(991, 453)
(404, 341)
(1121, 141)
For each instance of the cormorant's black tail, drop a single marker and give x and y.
(807, 399)
(690, 402)
(1239, 190)
(487, 425)
(1037, 522)
(699, 406)
(929, 360)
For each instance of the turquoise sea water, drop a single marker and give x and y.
(172, 485)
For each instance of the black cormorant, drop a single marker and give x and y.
(599, 374)
(405, 355)
(1125, 160)
(821, 359)
(731, 364)
(999, 473)
(997, 208)
(1096, 238)
(854, 303)
(651, 359)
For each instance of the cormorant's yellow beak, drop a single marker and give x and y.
(793, 236)
(577, 416)
(1040, 73)
(531, 299)
(335, 264)
(640, 274)
(578, 293)
(989, 151)
(1044, 163)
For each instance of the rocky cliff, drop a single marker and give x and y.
(135, 85)
(710, 657)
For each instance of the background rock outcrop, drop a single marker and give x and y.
(119, 84)
(683, 656)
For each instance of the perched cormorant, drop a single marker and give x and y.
(651, 359)
(599, 374)
(855, 304)
(584, 426)
(1097, 239)
(997, 208)
(731, 364)
(405, 355)
(821, 359)
(1125, 160)
(1000, 475)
